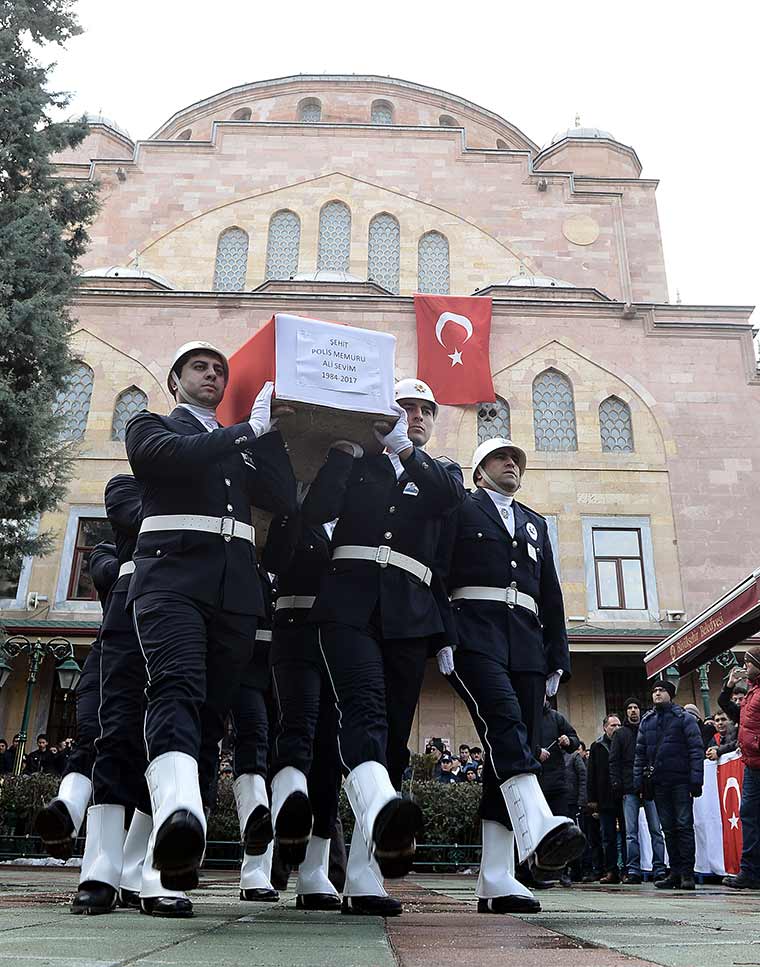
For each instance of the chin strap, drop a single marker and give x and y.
(494, 486)
(185, 397)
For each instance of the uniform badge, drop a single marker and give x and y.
(531, 529)
(248, 460)
(532, 553)
(412, 489)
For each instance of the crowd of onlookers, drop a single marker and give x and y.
(44, 758)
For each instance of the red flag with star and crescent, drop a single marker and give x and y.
(453, 335)
(730, 779)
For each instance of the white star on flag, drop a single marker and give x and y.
(456, 358)
(734, 821)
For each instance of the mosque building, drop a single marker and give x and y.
(338, 197)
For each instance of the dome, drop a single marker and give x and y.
(326, 275)
(588, 134)
(108, 122)
(125, 272)
(538, 281)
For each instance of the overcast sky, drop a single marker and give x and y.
(676, 80)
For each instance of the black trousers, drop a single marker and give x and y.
(118, 777)
(377, 684)
(306, 730)
(250, 714)
(196, 655)
(506, 712)
(82, 756)
(676, 811)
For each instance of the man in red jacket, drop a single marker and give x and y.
(748, 716)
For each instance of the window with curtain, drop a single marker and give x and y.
(433, 274)
(73, 402)
(384, 254)
(128, 402)
(231, 260)
(283, 243)
(493, 420)
(615, 426)
(334, 249)
(554, 412)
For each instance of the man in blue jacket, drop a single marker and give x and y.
(669, 765)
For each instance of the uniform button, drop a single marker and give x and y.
(511, 606)
(514, 543)
(227, 538)
(311, 547)
(424, 466)
(158, 553)
(291, 620)
(513, 584)
(229, 508)
(391, 510)
(513, 563)
(479, 534)
(387, 535)
(227, 481)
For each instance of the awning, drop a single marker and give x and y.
(731, 620)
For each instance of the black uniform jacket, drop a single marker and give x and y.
(184, 469)
(482, 553)
(407, 515)
(123, 501)
(104, 569)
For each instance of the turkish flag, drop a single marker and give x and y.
(250, 367)
(730, 779)
(453, 334)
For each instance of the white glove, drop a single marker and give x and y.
(552, 683)
(445, 658)
(398, 439)
(348, 446)
(261, 412)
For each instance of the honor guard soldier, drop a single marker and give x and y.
(58, 823)
(377, 614)
(195, 593)
(512, 650)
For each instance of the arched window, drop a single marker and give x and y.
(554, 412)
(334, 250)
(433, 264)
(615, 426)
(231, 260)
(242, 114)
(128, 402)
(283, 243)
(310, 110)
(382, 112)
(493, 420)
(185, 135)
(447, 121)
(501, 144)
(73, 402)
(384, 256)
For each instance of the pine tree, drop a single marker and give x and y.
(43, 230)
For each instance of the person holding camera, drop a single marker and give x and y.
(668, 768)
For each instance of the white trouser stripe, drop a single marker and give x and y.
(485, 724)
(337, 700)
(147, 680)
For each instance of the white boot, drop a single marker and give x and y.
(135, 847)
(314, 891)
(255, 873)
(253, 813)
(550, 842)
(178, 847)
(291, 814)
(102, 860)
(497, 889)
(59, 822)
(364, 892)
(155, 898)
(75, 792)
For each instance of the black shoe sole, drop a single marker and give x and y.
(178, 851)
(509, 904)
(394, 833)
(258, 832)
(371, 906)
(559, 848)
(317, 901)
(259, 896)
(54, 826)
(293, 828)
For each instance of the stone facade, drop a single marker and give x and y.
(573, 227)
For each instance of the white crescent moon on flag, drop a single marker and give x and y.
(732, 783)
(454, 317)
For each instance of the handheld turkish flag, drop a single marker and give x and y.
(250, 367)
(453, 334)
(730, 780)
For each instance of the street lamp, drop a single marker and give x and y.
(68, 675)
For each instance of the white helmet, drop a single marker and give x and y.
(197, 345)
(487, 447)
(414, 389)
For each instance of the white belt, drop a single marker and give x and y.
(128, 567)
(294, 601)
(510, 596)
(227, 527)
(263, 634)
(383, 556)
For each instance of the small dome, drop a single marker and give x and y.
(326, 275)
(538, 281)
(126, 272)
(108, 122)
(583, 133)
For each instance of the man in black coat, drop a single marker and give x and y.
(379, 612)
(602, 801)
(195, 594)
(41, 760)
(558, 739)
(512, 651)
